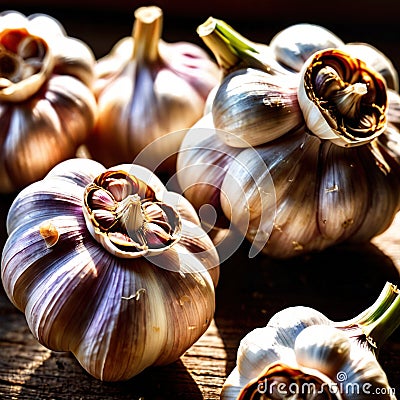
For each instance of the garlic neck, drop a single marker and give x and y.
(211, 34)
(233, 51)
(381, 329)
(146, 34)
(378, 321)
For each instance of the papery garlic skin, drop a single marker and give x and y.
(117, 315)
(47, 107)
(293, 45)
(376, 60)
(254, 107)
(146, 89)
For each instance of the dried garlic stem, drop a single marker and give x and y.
(380, 330)
(231, 49)
(387, 296)
(147, 33)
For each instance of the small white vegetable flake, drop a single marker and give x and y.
(135, 296)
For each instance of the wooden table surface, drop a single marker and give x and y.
(248, 294)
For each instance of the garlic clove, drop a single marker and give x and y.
(361, 376)
(382, 170)
(288, 328)
(293, 45)
(341, 210)
(389, 142)
(253, 107)
(249, 198)
(322, 347)
(342, 100)
(202, 163)
(260, 348)
(72, 172)
(233, 385)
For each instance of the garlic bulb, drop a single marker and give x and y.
(301, 352)
(111, 266)
(148, 92)
(47, 107)
(326, 136)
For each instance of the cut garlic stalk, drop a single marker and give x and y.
(233, 51)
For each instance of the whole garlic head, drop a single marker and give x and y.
(47, 107)
(146, 89)
(109, 265)
(327, 135)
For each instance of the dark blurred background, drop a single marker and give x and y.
(101, 23)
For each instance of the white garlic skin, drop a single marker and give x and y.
(295, 44)
(252, 107)
(376, 60)
(352, 367)
(117, 316)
